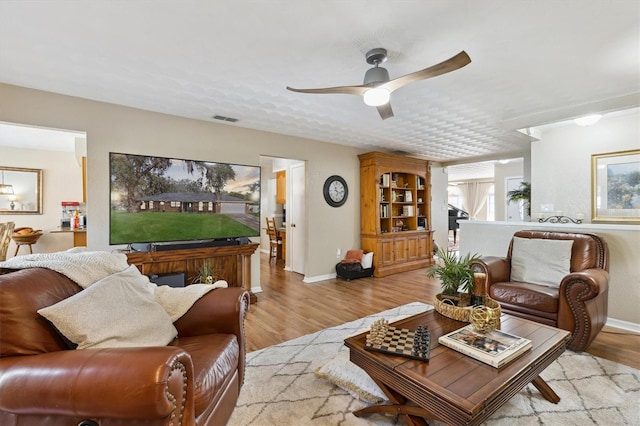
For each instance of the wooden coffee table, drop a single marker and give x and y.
(452, 387)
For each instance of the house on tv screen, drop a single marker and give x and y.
(197, 202)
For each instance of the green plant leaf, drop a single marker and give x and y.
(454, 271)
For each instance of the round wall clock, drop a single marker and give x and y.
(335, 191)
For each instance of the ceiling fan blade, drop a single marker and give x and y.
(346, 90)
(385, 111)
(451, 64)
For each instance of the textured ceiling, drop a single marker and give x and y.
(533, 62)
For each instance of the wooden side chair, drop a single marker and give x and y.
(6, 230)
(275, 242)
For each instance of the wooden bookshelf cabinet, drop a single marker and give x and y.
(395, 210)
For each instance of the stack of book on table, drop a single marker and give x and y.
(495, 348)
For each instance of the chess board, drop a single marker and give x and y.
(414, 344)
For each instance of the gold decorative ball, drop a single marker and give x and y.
(484, 319)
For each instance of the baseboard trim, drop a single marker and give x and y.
(624, 325)
(310, 280)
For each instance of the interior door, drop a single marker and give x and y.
(514, 211)
(297, 229)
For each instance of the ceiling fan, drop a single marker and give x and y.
(377, 87)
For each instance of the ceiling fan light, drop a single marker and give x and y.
(376, 96)
(587, 120)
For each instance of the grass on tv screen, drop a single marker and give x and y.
(157, 227)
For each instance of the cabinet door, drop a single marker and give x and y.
(424, 247)
(385, 252)
(413, 247)
(400, 249)
(281, 187)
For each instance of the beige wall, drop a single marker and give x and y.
(120, 129)
(61, 181)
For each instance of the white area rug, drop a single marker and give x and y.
(281, 387)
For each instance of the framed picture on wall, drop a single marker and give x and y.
(20, 190)
(615, 187)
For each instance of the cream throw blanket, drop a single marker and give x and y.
(87, 267)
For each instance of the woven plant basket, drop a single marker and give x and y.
(447, 306)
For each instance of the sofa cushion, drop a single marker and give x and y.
(215, 361)
(540, 261)
(526, 295)
(117, 311)
(22, 293)
(353, 256)
(367, 260)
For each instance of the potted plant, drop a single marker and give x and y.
(454, 272)
(206, 275)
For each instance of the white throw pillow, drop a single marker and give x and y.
(367, 260)
(346, 375)
(117, 311)
(540, 261)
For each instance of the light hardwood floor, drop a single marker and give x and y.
(288, 308)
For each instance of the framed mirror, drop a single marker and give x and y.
(20, 190)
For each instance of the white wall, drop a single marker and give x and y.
(561, 162)
(61, 181)
(439, 206)
(120, 129)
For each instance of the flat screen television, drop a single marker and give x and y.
(162, 200)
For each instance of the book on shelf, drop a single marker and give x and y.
(407, 211)
(385, 180)
(384, 210)
(495, 348)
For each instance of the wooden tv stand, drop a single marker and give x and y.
(230, 263)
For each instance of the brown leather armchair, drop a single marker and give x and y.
(578, 305)
(195, 380)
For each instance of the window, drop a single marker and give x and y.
(455, 198)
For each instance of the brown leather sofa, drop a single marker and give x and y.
(578, 305)
(195, 380)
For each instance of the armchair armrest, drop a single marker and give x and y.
(219, 311)
(585, 285)
(498, 269)
(583, 305)
(99, 383)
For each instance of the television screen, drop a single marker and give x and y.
(157, 199)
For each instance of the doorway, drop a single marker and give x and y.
(61, 154)
(515, 211)
(283, 198)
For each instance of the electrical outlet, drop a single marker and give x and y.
(338, 253)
